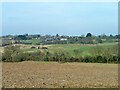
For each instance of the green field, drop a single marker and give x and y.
(33, 41)
(85, 49)
(111, 40)
(108, 44)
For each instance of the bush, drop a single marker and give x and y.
(14, 54)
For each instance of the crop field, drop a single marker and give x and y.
(41, 74)
(59, 75)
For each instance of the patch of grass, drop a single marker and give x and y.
(85, 49)
(71, 47)
(108, 44)
(33, 41)
(29, 49)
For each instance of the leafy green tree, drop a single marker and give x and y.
(57, 35)
(9, 52)
(89, 35)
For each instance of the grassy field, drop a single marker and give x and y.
(85, 49)
(33, 41)
(113, 40)
(108, 44)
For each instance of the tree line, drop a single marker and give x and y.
(100, 55)
(56, 39)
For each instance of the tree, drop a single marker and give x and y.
(57, 35)
(97, 51)
(26, 34)
(97, 40)
(20, 37)
(48, 56)
(9, 52)
(89, 35)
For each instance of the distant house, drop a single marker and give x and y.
(10, 38)
(38, 47)
(56, 38)
(63, 39)
(48, 39)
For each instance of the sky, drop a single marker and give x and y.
(63, 18)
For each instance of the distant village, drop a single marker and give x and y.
(57, 39)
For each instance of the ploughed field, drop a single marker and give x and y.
(59, 75)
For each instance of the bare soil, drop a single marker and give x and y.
(56, 75)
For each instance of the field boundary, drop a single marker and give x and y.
(60, 88)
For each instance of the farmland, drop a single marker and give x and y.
(44, 74)
(95, 53)
(56, 75)
(59, 44)
(36, 72)
(33, 41)
(84, 48)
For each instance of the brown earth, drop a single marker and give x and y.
(56, 75)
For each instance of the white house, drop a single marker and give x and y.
(63, 39)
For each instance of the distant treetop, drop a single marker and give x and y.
(89, 35)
